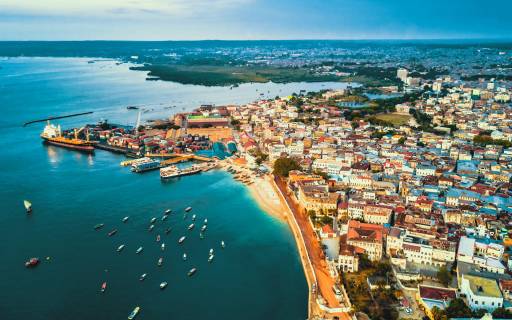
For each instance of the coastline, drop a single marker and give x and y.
(263, 193)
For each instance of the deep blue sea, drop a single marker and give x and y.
(257, 276)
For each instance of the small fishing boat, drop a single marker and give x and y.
(164, 217)
(211, 251)
(28, 206)
(210, 258)
(191, 226)
(167, 212)
(182, 239)
(151, 227)
(188, 209)
(121, 247)
(113, 232)
(160, 261)
(158, 238)
(143, 276)
(203, 228)
(192, 271)
(98, 226)
(134, 313)
(162, 246)
(168, 230)
(205, 221)
(201, 235)
(152, 220)
(222, 244)
(103, 287)
(184, 257)
(193, 217)
(126, 218)
(32, 262)
(139, 250)
(163, 285)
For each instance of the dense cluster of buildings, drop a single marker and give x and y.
(422, 199)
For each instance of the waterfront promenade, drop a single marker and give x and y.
(311, 255)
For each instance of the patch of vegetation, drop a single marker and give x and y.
(483, 139)
(283, 166)
(394, 119)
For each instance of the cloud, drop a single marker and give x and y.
(100, 8)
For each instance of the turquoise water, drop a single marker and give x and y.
(257, 276)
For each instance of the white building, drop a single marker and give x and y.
(481, 293)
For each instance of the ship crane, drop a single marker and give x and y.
(78, 132)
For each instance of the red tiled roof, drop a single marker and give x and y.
(434, 293)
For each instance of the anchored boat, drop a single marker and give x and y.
(134, 313)
(53, 135)
(28, 206)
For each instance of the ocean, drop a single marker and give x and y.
(257, 276)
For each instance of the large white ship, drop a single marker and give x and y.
(174, 172)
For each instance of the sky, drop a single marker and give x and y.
(253, 19)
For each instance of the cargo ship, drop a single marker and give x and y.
(53, 135)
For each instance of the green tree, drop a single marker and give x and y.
(444, 276)
(502, 313)
(438, 314)
(283, 166)
(458, 309)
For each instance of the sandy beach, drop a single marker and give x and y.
(264, 194)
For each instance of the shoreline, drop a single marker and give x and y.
(263, 194)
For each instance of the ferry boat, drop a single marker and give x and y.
(143, 276)
(113, 232)
(163, 285)
(103, 287)
(174, 172)
(28, 206)
(53, 135)
(99, 226)
(192, 271)
(32, 262)
(180, 241)
(125, 219)
(120, 248)
(139, 250)
(145, 166)
(134, 313)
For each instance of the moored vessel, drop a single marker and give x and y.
(134, 313)
(53, 135)
(32, 262)
(28, 206)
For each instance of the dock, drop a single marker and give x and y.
(180, 157)
(57, 117)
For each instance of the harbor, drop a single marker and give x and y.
(72, 191)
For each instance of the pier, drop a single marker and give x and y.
(57, 117)
(178, 157)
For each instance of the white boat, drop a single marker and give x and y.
(193, 217)
(151, 227)
(211, 251)
(121, 247)
(28, 206)
(191, 226)
(210, 258)
(203, 228)
(187, 209)
(163, 285)
(134, 313)
(184, 257)
(162, 246)
(152, 220)
(160, 261)
(182, 239)
(143, 276)
(158, 238)
(164, 217)
(222, 244)
(126, 219)
(205, 221)
(139, 250)
(192, 271)
(168, 211)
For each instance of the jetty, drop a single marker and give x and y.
(57, 117)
